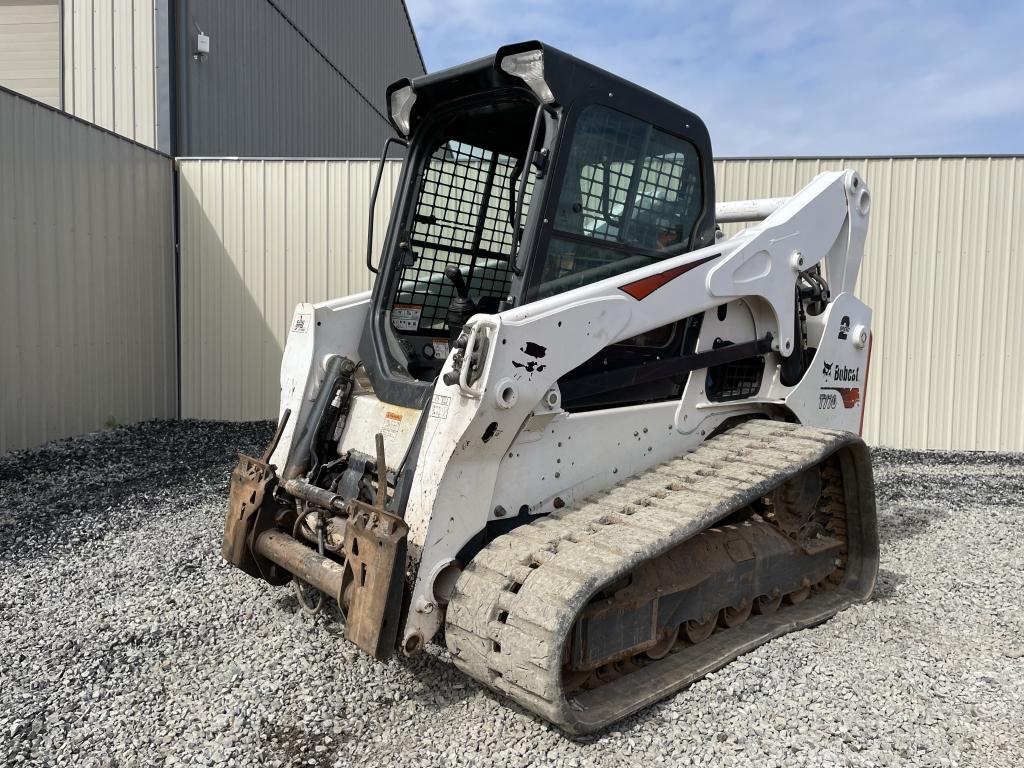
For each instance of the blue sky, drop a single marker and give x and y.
(840, 77)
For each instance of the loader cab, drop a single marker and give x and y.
(527, 175)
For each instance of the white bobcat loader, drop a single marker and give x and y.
(603, 447)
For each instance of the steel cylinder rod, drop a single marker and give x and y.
(747, 210)
(302, 562)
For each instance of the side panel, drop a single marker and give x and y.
(316, 332)
(570, 456)
(832, 392)
(557, 461)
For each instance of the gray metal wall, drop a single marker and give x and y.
(943, 270)
(258, 237)
(265, 91)
(87, 289)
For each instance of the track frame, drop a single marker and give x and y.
(517, 602)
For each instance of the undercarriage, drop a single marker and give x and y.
(593, 613)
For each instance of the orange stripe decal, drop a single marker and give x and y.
(850, 395)
(644, 287)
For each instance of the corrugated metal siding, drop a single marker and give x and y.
(30, 48)
(110, 65)
(264, 91)
(943, 270)
(86, 278)
(257, 237)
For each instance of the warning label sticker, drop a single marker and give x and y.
(439, 406)
(441, 348)
(406, 317)
(392, 424)
(301, 323)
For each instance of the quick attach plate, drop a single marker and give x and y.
(372, 591)
(249, 482)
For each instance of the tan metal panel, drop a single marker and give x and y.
(78, 62)
(257, 237)
(941, 271)
(1012, 371)
(30, 48)
(103, 44)
(86, 278)
(9, 376)
(123, 69)
(941, 265)
(142, 89)
(110, 73)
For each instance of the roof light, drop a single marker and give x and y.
(528, 66)
(401, 107)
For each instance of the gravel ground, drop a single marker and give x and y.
(126, 641)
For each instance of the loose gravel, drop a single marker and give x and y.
(126, 641)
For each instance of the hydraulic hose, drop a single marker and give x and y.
(298, 458)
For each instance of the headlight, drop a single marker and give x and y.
(528, 66)
(401, 107)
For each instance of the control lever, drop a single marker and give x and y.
(461, 307)
(454, 276)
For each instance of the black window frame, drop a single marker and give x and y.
(388, 374)
(418, 243)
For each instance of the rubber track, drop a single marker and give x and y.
(518, 599)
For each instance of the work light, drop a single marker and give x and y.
(401, 107)
(528, 66)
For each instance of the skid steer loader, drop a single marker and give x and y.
(601, 446)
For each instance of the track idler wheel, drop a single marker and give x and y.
(664, 645)
(733, 617)
(768, 603)
(697, 632)
(798, 596)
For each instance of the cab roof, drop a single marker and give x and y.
(568, 78)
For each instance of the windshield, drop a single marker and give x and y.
(463, 216)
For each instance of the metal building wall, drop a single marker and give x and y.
(116, 67)
(943, 267)
(943, 270)
(264, 90)
(30, 48)
(257, 237)
(87, 294)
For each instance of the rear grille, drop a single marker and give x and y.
(736, 380)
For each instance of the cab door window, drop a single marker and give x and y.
(631, 195)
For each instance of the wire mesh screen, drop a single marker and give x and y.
(734, 381)
(463, 217)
